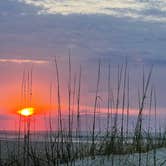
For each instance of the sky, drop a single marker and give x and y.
(34, 32)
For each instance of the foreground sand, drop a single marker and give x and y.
(9, 149)
(126, 160)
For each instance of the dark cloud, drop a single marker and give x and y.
(7, 117)
(156, 62)
(13, 7)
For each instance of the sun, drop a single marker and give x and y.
(27, 111)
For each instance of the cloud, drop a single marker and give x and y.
(20, 61)
(144, 10)
(6, 116)
(14, 8)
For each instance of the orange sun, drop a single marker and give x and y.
(27, 111)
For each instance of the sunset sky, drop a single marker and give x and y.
(34, 32)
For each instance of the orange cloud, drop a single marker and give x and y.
(20, 61)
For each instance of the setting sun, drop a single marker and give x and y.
(26, 111)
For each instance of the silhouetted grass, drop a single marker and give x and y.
(66, 146)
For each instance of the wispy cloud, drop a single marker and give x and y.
(20, 61)
(144, 10)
